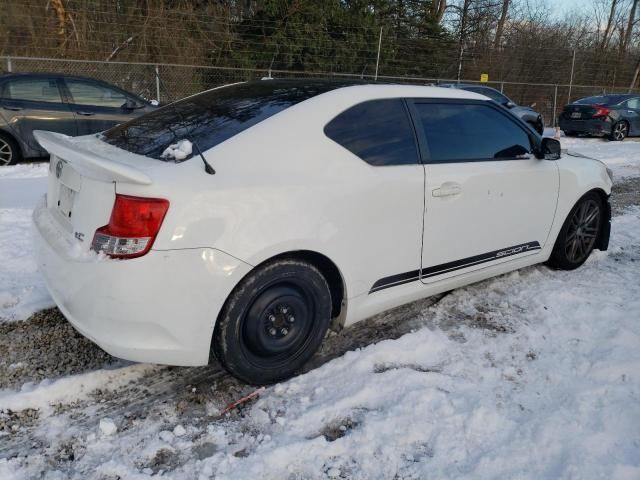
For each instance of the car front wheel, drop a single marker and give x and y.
(619, 131)
(273, 322)
(9, 152)
(579, 233)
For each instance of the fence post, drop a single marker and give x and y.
(378, 58)
(555, 105)
(157, 84)
(9, 66)
(573, 64)
(501, 87)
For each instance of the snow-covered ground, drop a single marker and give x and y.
(531, 375)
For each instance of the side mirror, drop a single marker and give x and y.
(130, 104)
(509, 104)
(550, 149)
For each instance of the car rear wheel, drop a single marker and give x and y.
(619, 131)
(579, 233)
(273, 322)
(9, 151)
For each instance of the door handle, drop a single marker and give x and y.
(86, 114)
(13, 109)
(447, 189)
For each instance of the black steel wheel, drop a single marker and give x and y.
(273, 322)
(9, 151)
(579, 233)
(619, 131)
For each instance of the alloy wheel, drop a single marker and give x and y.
(6, 152)
(583, 231)
(620, 131)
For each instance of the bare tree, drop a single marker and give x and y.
(626, 39)
(500, 28)
(438, 8)
(610, 24)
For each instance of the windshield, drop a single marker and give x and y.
(211, 117)
(494, 95)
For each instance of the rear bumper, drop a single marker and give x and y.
(159, 308)
(595, 126)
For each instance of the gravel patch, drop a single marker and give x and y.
(45, 346)
(624, 194)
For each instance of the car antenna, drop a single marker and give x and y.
(207, 166)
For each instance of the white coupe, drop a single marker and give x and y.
(243, 222)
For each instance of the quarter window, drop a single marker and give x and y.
(89, 94)
(377, 131)
(33, 89)
(457, 132)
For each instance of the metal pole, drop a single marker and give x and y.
(555, 105)
(460, 63)
(573, 64)
(9, 66)
(501, 87)
(378, 59)
(157, 84)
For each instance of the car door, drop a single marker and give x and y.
(631, 113)
(35, 103)
(98, 107)
(488, 199)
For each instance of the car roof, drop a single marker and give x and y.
(372, 87)
(7, 76)
(466, 85)
(612, 99)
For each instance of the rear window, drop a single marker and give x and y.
(211, 117)
(602, 100)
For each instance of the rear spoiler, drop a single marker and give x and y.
(88, 162)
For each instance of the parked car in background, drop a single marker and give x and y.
(613, 116)
(243, 221)
(58, 103)
(526, 114)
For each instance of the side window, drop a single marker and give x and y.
(457, 132)
(84, 93)
(377, 131)
(633, 103)
(32, 89)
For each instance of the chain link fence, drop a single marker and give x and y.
(169, 82)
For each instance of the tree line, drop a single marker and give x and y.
(511, 40)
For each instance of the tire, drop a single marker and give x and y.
(9, 150)
(579, 233)
(619, 131)
(570, 134)
(273, 322)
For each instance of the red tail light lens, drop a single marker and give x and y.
(133, 227)
(601, 111)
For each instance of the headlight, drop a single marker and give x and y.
(610, 173)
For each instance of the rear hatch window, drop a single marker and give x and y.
(209, 118)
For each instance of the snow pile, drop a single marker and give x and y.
(531, 375)
(107, 427)
(178, 151)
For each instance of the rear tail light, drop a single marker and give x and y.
(133, 227)
(601, 111)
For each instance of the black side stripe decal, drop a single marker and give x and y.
(402, 278)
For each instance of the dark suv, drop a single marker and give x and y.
(58, 103)
(526, 114)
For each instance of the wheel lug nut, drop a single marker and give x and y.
(291, 319)
(284, 331)
(272, 318)
(284, 309)
(272, 332)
